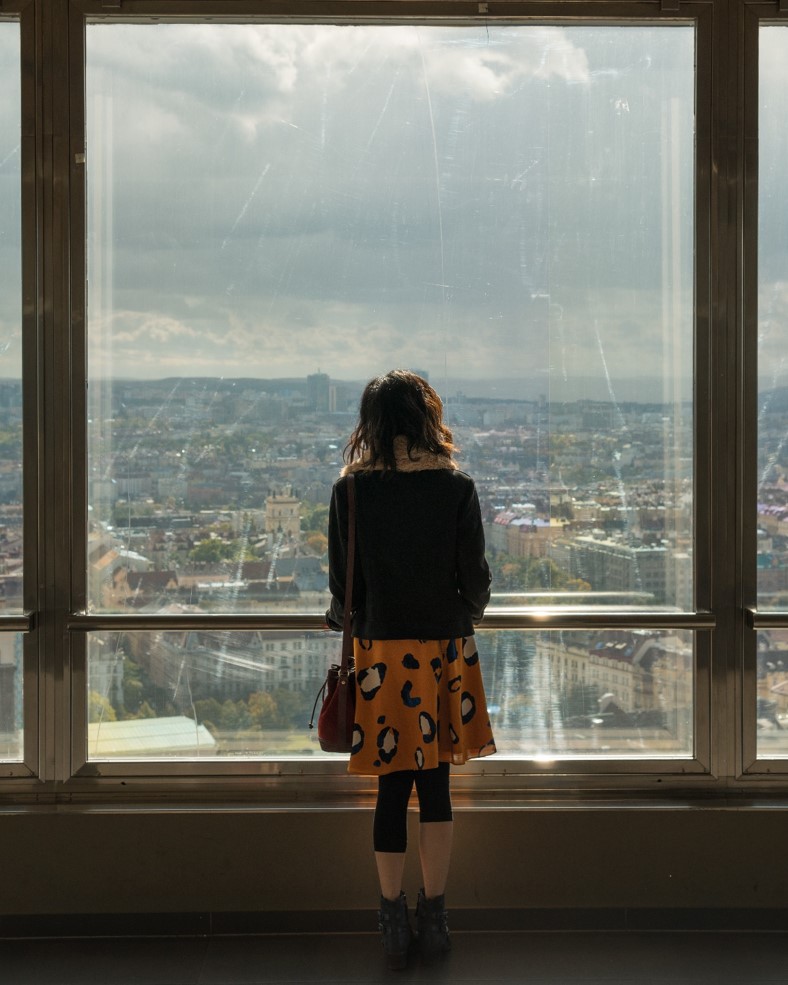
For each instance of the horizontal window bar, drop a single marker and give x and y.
(560, 617)
(22, 623)
(553, 618)
(169, 11)
(775, 619)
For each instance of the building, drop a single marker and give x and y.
(318, 392)
(283, 516)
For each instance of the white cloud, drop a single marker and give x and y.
(283, 196)
(773, 56)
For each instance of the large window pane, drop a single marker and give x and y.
(772, 544)
(10, 389)
(215, 694)
(235, 694)
(772, 323)
(590, 694)
(278, 212)
(11, 736)
(772, 693)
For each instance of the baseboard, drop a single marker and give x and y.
(208, 924)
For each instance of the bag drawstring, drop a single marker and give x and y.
(320, 693)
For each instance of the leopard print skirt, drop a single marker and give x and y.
(418, 703)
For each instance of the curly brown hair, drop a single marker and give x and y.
(400, 403)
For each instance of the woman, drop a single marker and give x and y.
(421, 581)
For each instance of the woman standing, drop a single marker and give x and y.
(421, 581)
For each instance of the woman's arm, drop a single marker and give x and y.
(337, 555)
(473, 572)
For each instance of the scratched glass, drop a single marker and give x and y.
(230, 695)
(772, 541)
(279, 212)
(10, 389)
(772, 328)
(772, 694)
(590, 694)
(189, 694)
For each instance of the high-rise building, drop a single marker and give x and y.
(317, 392)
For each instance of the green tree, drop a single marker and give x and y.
(262, 709)
(317, 543)
(100, 709)
(533, 574)
(314, 517)
(145, 711)
(210, 551)
(292, 707)
(209, 713)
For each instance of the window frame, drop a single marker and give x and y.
(79, 623)
(753, 15)
(28, 767)
(55, 353)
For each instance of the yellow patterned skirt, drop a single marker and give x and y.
(418, 703)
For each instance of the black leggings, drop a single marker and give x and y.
(390, 829)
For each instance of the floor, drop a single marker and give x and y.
(568, 958)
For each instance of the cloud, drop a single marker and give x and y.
(274, 197)
(773, 63)
(772, 319)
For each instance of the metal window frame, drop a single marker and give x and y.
(752, 16)
(28, 767)
(719, 615)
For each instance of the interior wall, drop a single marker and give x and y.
(216, 861)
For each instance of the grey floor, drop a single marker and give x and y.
(604, 958)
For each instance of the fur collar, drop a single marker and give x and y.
(418, 461)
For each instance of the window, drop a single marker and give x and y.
(509, 209)
(772, 559)
(11, 540)
(214, 229)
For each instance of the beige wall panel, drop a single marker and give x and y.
(227, 862)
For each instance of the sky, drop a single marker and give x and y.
(489, 203)
(10, 210)
(482, 202)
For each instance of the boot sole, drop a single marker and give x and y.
(397, 962)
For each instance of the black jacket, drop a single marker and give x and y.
(420, 570)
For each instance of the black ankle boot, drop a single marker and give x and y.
(395, 927)
(432, 927)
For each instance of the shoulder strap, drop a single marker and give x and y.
(347, 638)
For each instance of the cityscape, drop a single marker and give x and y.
(211, 495)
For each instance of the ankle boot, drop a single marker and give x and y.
(395, 927)
(432, 927)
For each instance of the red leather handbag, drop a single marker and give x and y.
(337, 713)
(335, 722)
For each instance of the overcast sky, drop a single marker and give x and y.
(10, 265)
(481, 202)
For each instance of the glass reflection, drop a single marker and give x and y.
(772, 693)
(618, 693)
(772, 334)
(11, 553)
(11, 689)
(201, 693)
(250, 694)
(278, 212)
